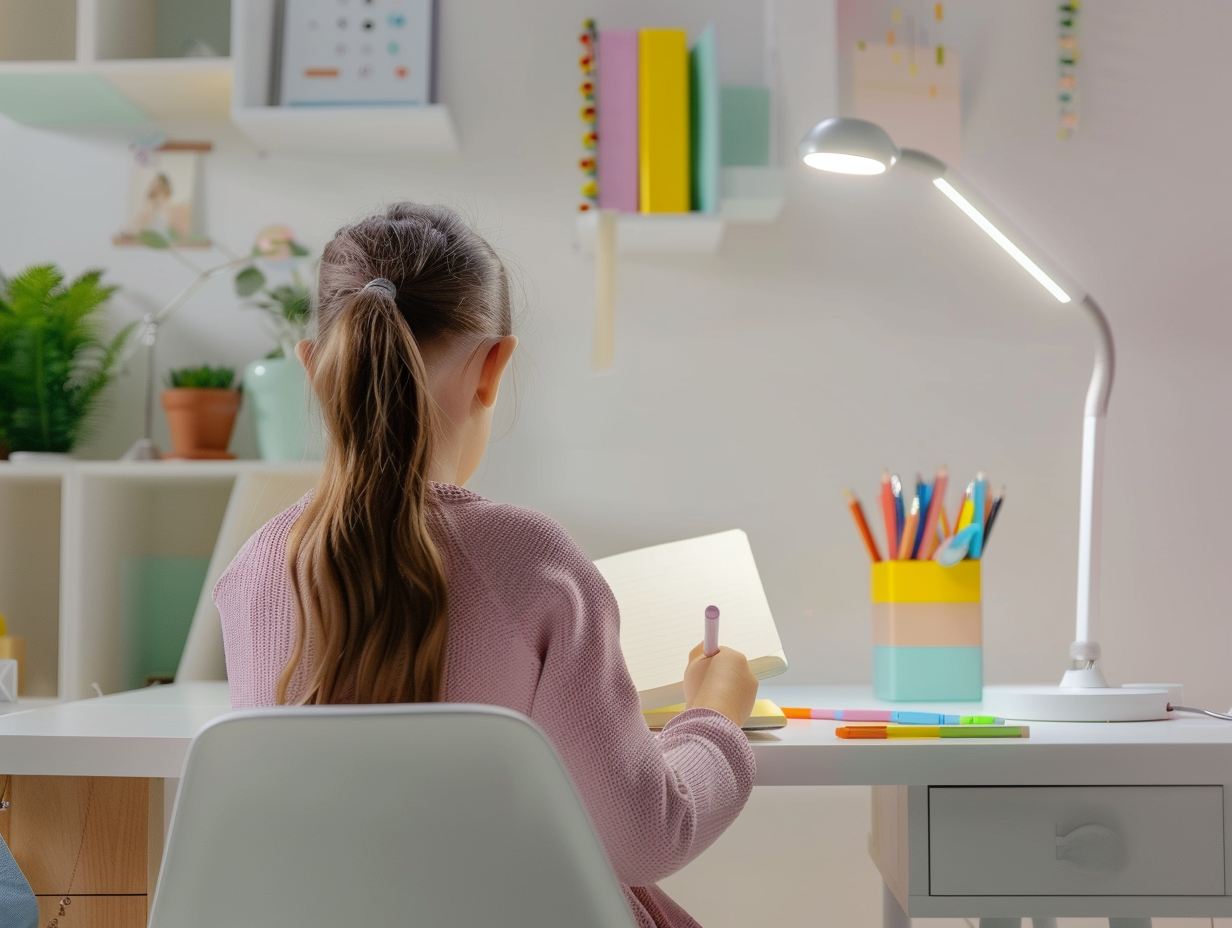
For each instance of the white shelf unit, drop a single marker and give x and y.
(90, 63)
(70, 533)
(122, 63)
(748, 194)
(423, 130)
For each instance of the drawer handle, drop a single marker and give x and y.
(1092, 848)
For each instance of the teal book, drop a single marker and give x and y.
(744, 126)
(704, 116)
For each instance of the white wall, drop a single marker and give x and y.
(867, 327)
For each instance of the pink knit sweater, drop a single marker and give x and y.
(532, 627)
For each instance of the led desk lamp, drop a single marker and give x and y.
(854, 146)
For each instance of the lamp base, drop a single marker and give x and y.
(1080, 704)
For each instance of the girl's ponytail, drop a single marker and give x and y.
(368, 581)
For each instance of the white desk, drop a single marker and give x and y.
(146, 733)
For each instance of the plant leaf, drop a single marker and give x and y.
(53, 362)
(248, 281)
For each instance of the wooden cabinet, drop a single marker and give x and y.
(95, 912)
(96, 840)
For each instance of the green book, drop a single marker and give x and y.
(704, 135)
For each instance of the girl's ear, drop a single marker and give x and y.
(303, 351)
(493, 367)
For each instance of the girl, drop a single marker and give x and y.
(391, 583)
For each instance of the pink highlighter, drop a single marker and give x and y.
(710, 642)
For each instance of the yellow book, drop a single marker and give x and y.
(765, 715)
(663, 121)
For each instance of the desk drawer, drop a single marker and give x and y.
(1076, 841)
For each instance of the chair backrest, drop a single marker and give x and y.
(433, 814)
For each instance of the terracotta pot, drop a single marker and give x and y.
(200, 420)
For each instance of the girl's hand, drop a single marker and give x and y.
(722, 682)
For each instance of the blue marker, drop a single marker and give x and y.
(979, 493)
(925, 492)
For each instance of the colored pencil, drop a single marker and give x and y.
(908, 542)
(992, 515)
(964, 510)
(945, 526)
(896, 486)
(924, 491)
(887, 513)
(979, 499)
(935, 508)
(858, 514)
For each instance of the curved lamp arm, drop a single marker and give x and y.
(1085, 648)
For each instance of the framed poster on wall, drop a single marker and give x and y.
(356, 53)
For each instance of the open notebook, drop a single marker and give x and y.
(663, 592)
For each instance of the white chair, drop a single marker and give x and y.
(433, 814)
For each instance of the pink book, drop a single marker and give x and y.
(616, 99)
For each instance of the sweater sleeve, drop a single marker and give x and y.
(657, 801)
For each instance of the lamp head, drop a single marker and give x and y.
(848, 146)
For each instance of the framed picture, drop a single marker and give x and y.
(341, 53)
(163, 195)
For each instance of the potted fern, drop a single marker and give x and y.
(201, 404)
(54, 359)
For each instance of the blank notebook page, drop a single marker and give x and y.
(663, 592)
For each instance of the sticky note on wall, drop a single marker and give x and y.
(744, 126)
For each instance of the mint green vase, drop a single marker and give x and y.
(286, 429)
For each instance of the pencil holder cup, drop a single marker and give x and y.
(927, 631)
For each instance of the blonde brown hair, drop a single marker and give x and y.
(368, 581)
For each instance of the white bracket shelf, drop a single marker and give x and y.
(749, 194)
(426, 130)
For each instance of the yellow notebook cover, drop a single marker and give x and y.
(663, 121)
(765, 715)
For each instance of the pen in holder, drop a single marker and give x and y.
(927, 631)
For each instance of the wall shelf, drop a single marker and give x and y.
(748, 195)
(425, 130)
(121, 63)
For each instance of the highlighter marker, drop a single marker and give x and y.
(889, 715)
(930, 732)
(710, 641)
